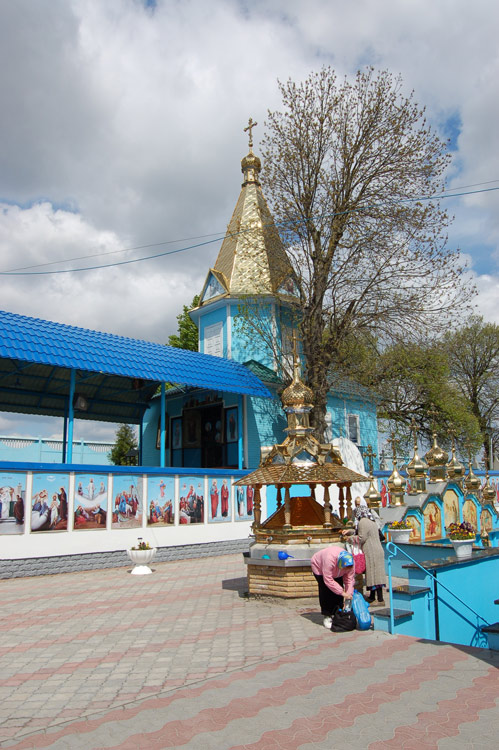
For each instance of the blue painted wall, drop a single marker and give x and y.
(246, 343)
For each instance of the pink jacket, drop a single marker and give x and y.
(325, 563)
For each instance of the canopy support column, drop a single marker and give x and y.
(162, 457)
(64, 434)
(69, 451)
(141, 433)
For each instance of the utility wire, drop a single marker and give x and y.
(114, 252)
(234, 234)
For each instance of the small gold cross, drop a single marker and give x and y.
(250, 127)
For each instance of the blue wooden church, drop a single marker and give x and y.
(247, 312)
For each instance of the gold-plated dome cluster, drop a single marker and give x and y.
(440, 470)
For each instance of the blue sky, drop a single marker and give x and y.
(123, 126)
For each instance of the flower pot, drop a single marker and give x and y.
(462, 547)
(400, 536)
(141, 559)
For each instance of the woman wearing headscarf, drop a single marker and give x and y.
(366, 535)
(334, 572)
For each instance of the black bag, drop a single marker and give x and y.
(382, 537)
(343, 621)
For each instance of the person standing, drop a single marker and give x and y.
(368, 538)
(334, 572)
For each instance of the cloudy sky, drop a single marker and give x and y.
(122, 132)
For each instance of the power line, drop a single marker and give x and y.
(232, 234)
(113, 252)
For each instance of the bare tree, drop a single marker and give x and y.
(473, 354)
(353, 173)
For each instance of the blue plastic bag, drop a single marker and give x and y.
(361, 611)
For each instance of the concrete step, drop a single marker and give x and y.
(402, 617)
(410, 590)
(492, 632)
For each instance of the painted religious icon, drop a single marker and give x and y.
(161, 501)
(470, 513)
(191, 500)
(49, 502)
(416, 528)
(231, 425)
(451, 508)
(126, 501)
(90, 501)
(432, 521)
(12, 497)
(486, 521)
(385, 498)
(244, 503)
(219, 505)
(177, 433)
(167, 432)
(191, 428)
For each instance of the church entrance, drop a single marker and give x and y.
(203, 436)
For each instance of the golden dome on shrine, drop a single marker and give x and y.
(372, 496)
(472, 482)
(488, 492)
(297, 393)
(396, 482)
(455, 469)
(436, 456)
(416, 467)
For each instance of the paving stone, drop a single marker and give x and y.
(103, 660)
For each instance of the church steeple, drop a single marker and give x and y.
(252, 259)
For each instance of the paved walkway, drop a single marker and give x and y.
(181, 659)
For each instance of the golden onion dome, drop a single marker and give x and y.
(455, 469)
(251, 162)
(436, 456)
(472, 482)
(372, 496)
(488, 492)
(297, 393)
(396, 482)
(416, 468)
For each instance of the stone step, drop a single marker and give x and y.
(398, 614)
(410, 590)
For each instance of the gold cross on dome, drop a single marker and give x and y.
(250, 127)
(369, 454)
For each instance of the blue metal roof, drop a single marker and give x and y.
(44, 343)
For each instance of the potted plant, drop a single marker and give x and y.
(400, 531)
(462, 536)
(141, 555)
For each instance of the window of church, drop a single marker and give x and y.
(213, 339)
(353, 428)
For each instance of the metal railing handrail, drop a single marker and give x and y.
(392, 546)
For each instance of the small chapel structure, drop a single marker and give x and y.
(248, 312)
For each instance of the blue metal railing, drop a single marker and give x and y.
(393, 550)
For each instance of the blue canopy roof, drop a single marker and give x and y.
(37, 355)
